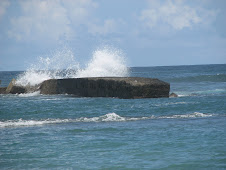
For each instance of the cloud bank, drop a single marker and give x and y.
(55, 20)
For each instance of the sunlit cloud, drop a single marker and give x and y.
(49, 19)
(174, 13)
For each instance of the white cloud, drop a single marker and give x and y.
(3, 5)
(40, 19)
(79, 10)
(49, 19)
(108, 26)
(53, 20)
(174, 13)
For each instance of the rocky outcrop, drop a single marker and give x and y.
(3, 90)
(120, 87)
(173, 95)
(14, 89)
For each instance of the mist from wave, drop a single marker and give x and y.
(105, 62)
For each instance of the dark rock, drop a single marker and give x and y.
(14, 89)
(3, 90)
(173, 95)
(31, 89)
(120, 87)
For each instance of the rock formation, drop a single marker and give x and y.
(3, 90)
(173, 95)
(120, 87)
(13, 88)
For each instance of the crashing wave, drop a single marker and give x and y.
(110, 117)
(105, 62)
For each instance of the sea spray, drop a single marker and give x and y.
(61, 64)
(105, 62)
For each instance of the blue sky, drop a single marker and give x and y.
(149, 32)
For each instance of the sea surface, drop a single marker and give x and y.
(65, 132)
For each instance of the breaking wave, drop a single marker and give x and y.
(36, 93)
(60, 64)
(110, 117)
(192, 115)
(106, 62)
(109, 62)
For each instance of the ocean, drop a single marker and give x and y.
(65, 132)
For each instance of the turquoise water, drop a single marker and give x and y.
(64, 132)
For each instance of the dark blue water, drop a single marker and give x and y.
(64, 132)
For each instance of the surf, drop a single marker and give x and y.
(109, 117)
(104, 62)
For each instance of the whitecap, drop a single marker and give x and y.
(191, 115)
(110, 117)
(105, 62)
(36, 93)
(21, 122)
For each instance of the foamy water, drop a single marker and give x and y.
(105, 62)
(36, 93)
(191, 115)
(110, 117)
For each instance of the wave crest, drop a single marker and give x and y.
(105, 62)
(110, 117)
(192, 115)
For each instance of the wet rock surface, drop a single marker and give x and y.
(120, 87)
(14, 89)
(173, 95)
(3, 90)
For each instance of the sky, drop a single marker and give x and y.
(149, 32)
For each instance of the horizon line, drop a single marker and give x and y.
(138, 66)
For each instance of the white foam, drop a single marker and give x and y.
(182, 95)
(110, 117)
(170, 103)
(105, 118)
(36, 93)
(49, 67)
(107, 62)
(21, 122)
(192, 115)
